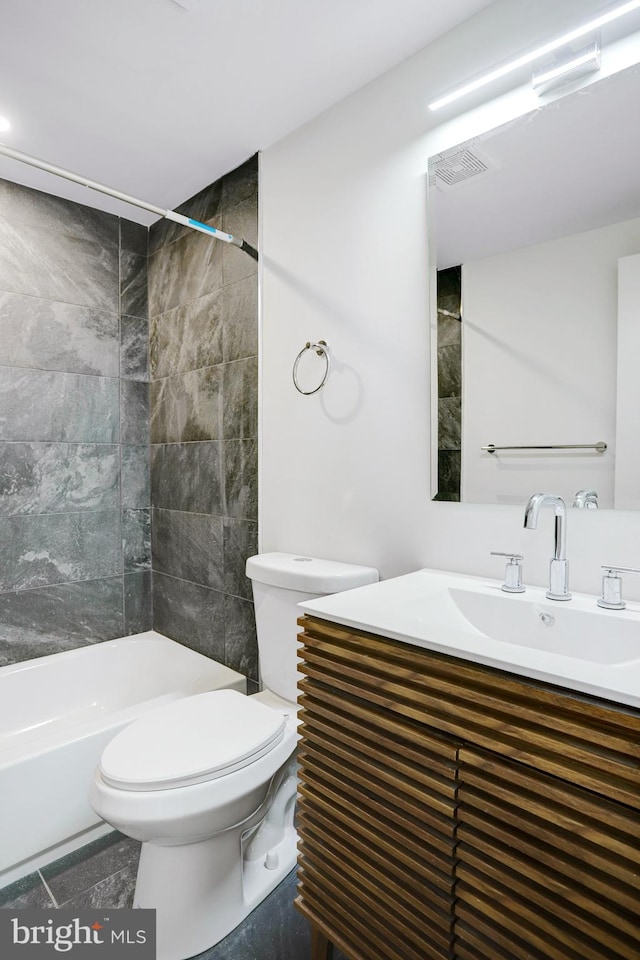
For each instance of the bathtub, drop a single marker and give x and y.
(56, 715)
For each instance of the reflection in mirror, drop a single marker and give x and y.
(536, 230)
(449, 367)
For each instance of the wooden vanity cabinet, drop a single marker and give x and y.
(450, 810)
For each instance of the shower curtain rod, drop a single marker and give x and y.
(101, 188)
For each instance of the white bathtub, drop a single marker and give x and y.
(56, 715)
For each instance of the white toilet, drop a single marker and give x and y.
(208, 783)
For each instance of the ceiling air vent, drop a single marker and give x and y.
(449, 169)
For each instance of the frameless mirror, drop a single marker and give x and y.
(536, 236)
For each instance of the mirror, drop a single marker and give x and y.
(536, 233)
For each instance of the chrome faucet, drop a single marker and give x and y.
(586, 499)
(559, 566)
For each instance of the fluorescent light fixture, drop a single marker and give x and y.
(4, 125)
(580, 65)
(527, 58)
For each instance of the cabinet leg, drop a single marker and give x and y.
(321, 946)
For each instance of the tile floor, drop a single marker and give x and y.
(103, 874)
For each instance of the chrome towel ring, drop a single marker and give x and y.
(322, 350)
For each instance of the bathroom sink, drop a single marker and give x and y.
(573, 643)
(556, 628)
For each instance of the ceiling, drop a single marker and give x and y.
(159, 98)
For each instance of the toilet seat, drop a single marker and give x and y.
(192, 740)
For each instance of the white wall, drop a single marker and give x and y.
(539, 353)
(345, 473)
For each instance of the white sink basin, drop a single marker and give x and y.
(556, 628)
(572, 643)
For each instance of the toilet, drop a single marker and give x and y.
(208, 782)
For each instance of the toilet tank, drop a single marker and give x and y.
(281, 581)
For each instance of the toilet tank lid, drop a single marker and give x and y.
(308, 574)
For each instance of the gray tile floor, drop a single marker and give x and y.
(103, 874)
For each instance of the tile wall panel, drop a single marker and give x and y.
(47, 212)
(188, 337)
(240, 392)
(240, 540)
(187, 406)
(183, 270)
(241, 184)
(136, 540)
(134, 412)
(77, 503)
(38, 478)
(136, 486)
(241, 479)
(134, 300)
(34, 623)
(138, 610)
(240, 330)
(189, 613)
(74, 455)
(187, 476)
(204, 423)
(134, 353)
(449, 363)
(240, 644)
(39, 262)
(189, 546)
(241, 220)
(58, 547)
(49, 335)
(69, 407)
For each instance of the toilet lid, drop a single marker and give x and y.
(191, 740)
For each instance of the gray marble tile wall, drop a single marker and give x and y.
(74, 420)
(449, 383)
(204, 423)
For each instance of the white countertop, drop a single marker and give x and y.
(430, 609)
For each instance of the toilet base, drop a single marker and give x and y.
(202, 891)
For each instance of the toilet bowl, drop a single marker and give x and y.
(208, 783)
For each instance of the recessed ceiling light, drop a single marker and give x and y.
(4, 125)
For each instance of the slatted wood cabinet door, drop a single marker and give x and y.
(376, 808)
(450, 810)
(544, 869)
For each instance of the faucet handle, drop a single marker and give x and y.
(611, 598)
(586, 499)
(513, 571)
